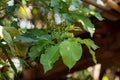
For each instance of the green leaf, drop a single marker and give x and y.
(71, 52)
(34, 52)
(36, 49)
(46, 37)
(88, 11)
(87, 24)
(39, 32)
(2, 62)
(90, 44)
(97, 15)
(68, 18)
(93, 55)
(84, 10)
(75, 3)
(69, 35)
(50, 57)
(15, 24)
(10, 10)
(12, 31)
(64, 7)
(55, 3)
(3, 4)
(7, 37)
(24, 39)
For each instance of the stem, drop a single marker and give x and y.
(9, 59)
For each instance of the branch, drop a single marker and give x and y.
(96, 5)
(113, 5)
(105, 12)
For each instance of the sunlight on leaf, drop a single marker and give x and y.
(1, 30)
(7, 37)
(87, 24)
(21, 12)
(97, 15)
(105, 78)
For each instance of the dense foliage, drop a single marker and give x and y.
(43, 30)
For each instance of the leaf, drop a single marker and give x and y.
(10, 10)
(84, 10)
(2, 62)
(93, 55)
(34, 52)
(64, 7)
(24, 39)
(68, 18)
(70, 28)
(22, 12)
(15, 24)
(90, 44)
(55, 3)
(69, 35)
(87, 24)
(7, 37)
(3, 4)
(12, 31)
(50, 57)
(88, 11)
(21, 49)
(39, 32)
(46, 37)
(71, 52)
(75, 3)
(36, 49)
(97, 15)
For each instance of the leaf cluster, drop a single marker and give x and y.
(52, 38)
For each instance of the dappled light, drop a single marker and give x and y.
(59, 40)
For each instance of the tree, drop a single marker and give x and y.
(43, 31)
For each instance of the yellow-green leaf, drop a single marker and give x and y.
(7, 37)
(12, 31)
(21, 49)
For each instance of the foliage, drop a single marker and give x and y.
(5, 71)
(41, 30)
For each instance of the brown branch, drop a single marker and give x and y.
(113, 5)
(106, 13)
(96, 5)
